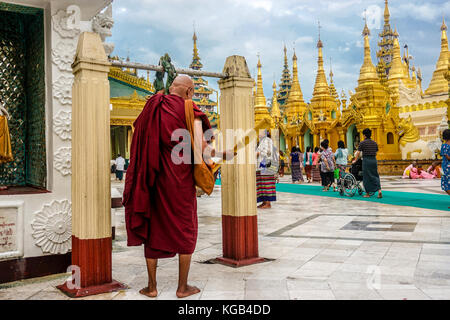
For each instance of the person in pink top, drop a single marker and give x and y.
(435, 169)
(315, 166)
(415, 172)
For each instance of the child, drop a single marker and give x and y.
(315, 167)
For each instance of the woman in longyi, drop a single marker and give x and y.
(5, 139)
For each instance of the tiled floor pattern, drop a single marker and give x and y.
(322, 248)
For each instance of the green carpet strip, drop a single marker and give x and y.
(407, 199)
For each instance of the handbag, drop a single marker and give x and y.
(203, 174)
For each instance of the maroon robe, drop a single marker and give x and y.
(160, 196)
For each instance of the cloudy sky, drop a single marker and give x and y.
(146, 29)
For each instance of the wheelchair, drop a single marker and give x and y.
(350, 183)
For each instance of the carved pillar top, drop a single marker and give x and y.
(236, 66)
(90, 53)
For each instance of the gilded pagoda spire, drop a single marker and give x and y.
(295, 103)
(321, 86)
(196, 64)
(275, 113)
(397, 70)
(323, 103)
(368, 72)
(296, 92)
(261, 110)
(260, 100)
(387, 14)
(333, 90)
(438, 84)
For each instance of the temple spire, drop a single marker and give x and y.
(295, 93)
(396, 71)
(196, 64)
(260, 100)
(438, 84)
(286, 81)
(261, 110)
(275, 113)
(333, 90)
(386, 45)
(368, 71)
(321, 85)
(295, 103)
(387, 14)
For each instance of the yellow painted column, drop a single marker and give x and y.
(91, 190)
(239, 220)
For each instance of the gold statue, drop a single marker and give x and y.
(5, 139)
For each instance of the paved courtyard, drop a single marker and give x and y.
(316, 248)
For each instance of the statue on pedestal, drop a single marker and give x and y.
(166, 63)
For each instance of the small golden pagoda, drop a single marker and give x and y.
(261, 109)
(438, 84)
(275, 112)
(295, 107)
(323, 106)
(372, 107)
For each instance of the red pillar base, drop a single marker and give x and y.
(239, 263)
(92, 290)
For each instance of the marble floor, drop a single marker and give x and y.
(316, 248)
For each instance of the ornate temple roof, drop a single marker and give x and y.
(438, 84)
(124, 82)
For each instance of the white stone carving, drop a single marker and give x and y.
(63, 161)
(102, 24)
(63, 55)
(62, 125)
(62, 89)
(67, 23)
(53, 227)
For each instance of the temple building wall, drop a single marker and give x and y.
(35, 218)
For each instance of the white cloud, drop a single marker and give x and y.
(149, 28)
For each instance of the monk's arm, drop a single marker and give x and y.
(198, 132)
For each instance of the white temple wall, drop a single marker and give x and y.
(48, 215)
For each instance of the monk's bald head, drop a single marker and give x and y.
(182, 86)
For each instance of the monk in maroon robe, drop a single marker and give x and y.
(160, 196)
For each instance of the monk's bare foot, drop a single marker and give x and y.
(149, 293)
(189, 291)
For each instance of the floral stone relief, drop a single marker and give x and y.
(53, 227)
(62, 125)
(63, 161)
